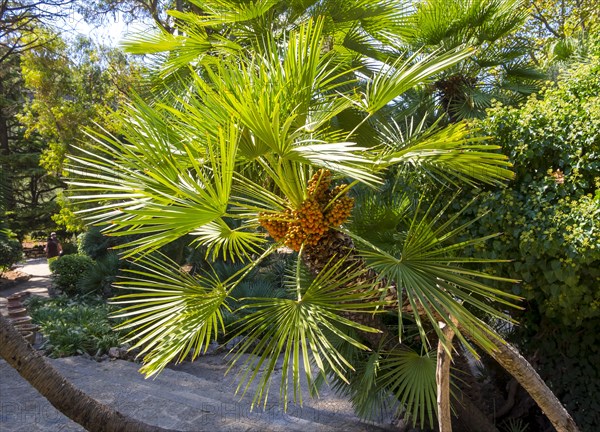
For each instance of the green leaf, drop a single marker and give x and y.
(299, 329)
(395, 79)
(411, 377)
(170, 313)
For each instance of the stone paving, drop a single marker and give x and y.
(187, 397)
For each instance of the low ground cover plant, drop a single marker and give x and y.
(74, 325)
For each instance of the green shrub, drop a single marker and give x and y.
(100, 276)
(69, 247)
(549, 214)
(93, 243)
(11, 252)
(74, 326)
(67, 272)
(549, 217)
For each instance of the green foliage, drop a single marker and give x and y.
(99, 277)
(549, 214)
(264, 109)
(11, 252)
(93, 243)
(67, 272)
(71, 85)
(74, 326)
(65, 217)
(299, 328)
(26, 190)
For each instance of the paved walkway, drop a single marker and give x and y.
(38, 284)
(188, 397)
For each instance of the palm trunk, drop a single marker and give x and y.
(335, 245)
(515, 364)
(65, 397)
(442, 379)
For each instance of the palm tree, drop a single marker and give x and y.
(502, 69)
(278, 137)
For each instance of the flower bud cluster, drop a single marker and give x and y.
(323, 209)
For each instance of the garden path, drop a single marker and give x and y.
(38, 284)
(188, 397)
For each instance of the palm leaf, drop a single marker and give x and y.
(393, 80)
(411, 377)
(450, 152)
(427, 269)
(220, 12)
(224, 242)
(170, 313)
(158, 188)
(298, 329)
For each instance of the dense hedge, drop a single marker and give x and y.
(550, 214)
(550, 217)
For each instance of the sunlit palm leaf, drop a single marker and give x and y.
(224, 242)
(393, 80)
(428, 271)
(450, 152)
(298, 329)
(220, 12)
(170, 313)
(159, 188)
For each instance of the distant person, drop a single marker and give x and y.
(53, 248)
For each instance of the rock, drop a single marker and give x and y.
(114, 352)
(212, 348)
(123, 353)
(232, 343)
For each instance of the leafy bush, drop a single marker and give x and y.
(74, 326)
(67, 272)
(93, 243)
(100, 276)
(69, 247)
(549, 216)
(11, 252)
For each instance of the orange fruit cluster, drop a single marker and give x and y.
(324, 208)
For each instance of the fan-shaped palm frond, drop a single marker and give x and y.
(411, 377)
(223, 12)
(449, 152)
(393, 80)
(457, 21)
(160, 187)
(431, 278)
(298, 328)
(225, 242)
(171, 312)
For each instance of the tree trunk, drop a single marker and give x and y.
(65, 397)
(442, 380)
(515, 364)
